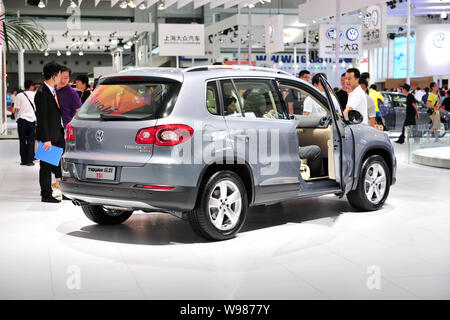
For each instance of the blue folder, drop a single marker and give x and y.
(48, 156)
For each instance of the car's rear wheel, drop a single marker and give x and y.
(104, 216)
(373, 185)
(222, 207)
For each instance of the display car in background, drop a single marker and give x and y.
(191, 143)
(393, 112)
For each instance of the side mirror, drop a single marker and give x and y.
(355, 117)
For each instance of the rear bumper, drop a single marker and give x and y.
(128, 196)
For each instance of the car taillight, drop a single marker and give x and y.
(146, 136)
(70, 133)
(165, 135)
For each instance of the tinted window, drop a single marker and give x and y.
(259, 99)
(133, 101)
(400, 100)
(302, 102)
(231, 102)
(212, 98)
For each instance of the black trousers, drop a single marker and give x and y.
(27, 135)
(314, 156)
(46, 170)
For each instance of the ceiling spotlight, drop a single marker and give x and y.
(68, 53)
(41, 4)
(142, 6)
(123, 5)
(131, 4)
(46, 53)
(73, 4)
(80, 53)
(58, 53)
(161, 6)
(391, 4)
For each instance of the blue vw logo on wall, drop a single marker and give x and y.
(440, 40)
(352, 34)
(270, 31)
(367, 19)
(331, 34)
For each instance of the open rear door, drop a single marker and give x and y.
(342, 143)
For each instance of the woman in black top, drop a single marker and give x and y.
(411, 111)
(82, 82)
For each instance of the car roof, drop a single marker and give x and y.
(207, 72)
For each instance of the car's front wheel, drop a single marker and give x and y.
(373, 185)
(104, 216)
(221, 208)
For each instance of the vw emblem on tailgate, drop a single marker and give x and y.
(99, 135)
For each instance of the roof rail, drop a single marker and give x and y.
(235, 67)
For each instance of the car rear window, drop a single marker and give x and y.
(133, 101)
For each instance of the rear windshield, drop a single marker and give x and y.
(133, 101)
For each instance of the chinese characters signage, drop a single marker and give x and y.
(181, 39)
(350, 41)
(373, 27)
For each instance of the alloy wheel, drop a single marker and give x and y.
(375, 183)
(225, 205)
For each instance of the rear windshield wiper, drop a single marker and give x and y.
(106, 116)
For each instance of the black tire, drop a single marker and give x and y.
(199, 218)
(357, 198)
(103, 216)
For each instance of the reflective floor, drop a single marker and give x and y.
(317, 248)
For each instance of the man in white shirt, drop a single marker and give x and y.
(356, 98)
(371, 111)
(419, 94)
(26, 123)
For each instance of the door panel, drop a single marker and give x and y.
(343, 144)
(388, 112)
(262, 135)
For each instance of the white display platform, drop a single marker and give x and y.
(435, 157)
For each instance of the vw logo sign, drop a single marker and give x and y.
(352, 34)
(99, 135)
(270, 31)
(439, 40)
(367, 20)
(331, 34)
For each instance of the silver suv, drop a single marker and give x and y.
(206, 143)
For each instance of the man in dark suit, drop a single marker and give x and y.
(49, 128)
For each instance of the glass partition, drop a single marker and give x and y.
(422, 136)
